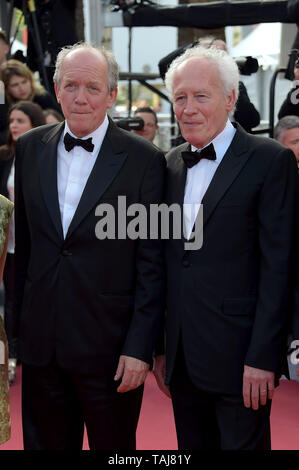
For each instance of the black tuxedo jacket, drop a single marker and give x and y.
(229, 299)
(81, 299)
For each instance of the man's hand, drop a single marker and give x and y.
(258, 386)
(132, 371)
(159, 373)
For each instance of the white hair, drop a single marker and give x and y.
(227, 67)
(111, 62)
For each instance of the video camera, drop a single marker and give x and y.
(247, 65)
(129, 124)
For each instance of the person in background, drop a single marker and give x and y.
(286, 132)
(20, 84)
(293, 14)
(23, 116)
(290, 106)
(52, 116)
(6, 209)
(59, 25)
(150, 127)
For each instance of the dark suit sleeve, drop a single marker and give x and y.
(150, 283)
(295, 317)
(276, 210)
(295, 306)
(22, 233)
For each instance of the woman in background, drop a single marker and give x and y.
(23, 116)
(52, 116)
(20, 85)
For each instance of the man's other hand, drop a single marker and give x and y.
(132, 371)
(258, 387)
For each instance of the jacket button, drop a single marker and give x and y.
(185, 263)
(66, 253)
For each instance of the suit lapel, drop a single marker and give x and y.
(228, 170)
(108, 163)
(178, 177)
(176, 182)
(48, 174)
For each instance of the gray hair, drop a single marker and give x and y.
(285, 123)
(228, 69)
(111, 62)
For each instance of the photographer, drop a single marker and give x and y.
(56, 21)
(290, 106)
(150, 120)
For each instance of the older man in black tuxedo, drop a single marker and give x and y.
(227, 302)
(89, 308)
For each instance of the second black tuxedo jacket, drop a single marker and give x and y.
(229, 299)
(83, 300)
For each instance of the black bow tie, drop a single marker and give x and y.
(71, 142)
(191, 158)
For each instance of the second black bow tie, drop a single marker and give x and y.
(71, 142)
(192, 158)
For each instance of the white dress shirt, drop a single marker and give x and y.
(73, 170)
(200, 176)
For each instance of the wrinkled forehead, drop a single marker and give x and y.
(198, 64)
(85, 61)
(200, 71)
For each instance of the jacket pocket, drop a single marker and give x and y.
(239, 306)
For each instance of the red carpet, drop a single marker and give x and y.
(156, 426)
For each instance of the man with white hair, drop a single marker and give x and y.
(227, 301)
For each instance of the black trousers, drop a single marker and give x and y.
(57, 403)
(211, 421)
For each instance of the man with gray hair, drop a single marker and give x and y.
(227, 301)
(89, 309)
(286, 132)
